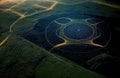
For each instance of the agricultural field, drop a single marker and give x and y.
(59, 38)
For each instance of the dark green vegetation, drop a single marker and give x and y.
(20, 58)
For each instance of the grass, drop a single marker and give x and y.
(20, 58)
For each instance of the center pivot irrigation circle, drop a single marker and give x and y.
(72, 29)
(66, 31)
(78, 31)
